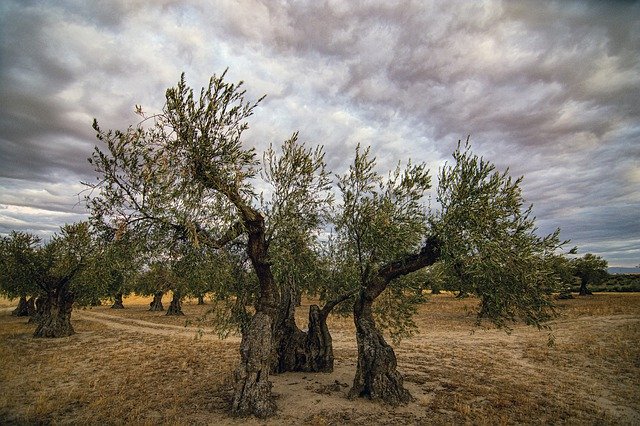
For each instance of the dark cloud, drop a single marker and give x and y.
(550, 89)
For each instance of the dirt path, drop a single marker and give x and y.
(146, 327)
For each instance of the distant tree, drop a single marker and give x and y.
(19, 270)
(62, 265)
(155, 279)
(435, 278)
(591, 269)
(120, 262)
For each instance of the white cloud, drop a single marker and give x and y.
(550, 89)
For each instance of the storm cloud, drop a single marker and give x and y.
(549, 89)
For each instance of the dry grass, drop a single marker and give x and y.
(139, 367)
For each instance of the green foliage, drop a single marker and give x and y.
(381, 219)
(20, 267)
(378, 221)
(66, 262)
(489, 241)
(179, 174)
(118, 260)
(296, 212)
(435, 278)
(590, 268)
(619, 282)
(156, 277)
(395, 308)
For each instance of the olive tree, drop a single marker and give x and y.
(184, 174)
(296, 212)
(19, 270)
(488, 241)
(62, 265)
(590, 269)
(382, 224)
(481, 235)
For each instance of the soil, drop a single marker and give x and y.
(141, 367)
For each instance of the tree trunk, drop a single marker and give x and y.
(584, 291)
(252, 389)
(297, 350)
(117, 302)
(175, 308)
(156, 303)
(201, 299)
(22, 310)
(31, 307)
(55, 318)
(376, 374)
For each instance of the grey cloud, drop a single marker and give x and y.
(549, 89)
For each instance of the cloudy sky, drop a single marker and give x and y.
(549, 89)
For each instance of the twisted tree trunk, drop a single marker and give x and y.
(31, 307)
(156, 303)
(584, 291)
(55, 316)
(38, 304)
(297, 350)
(376, 374)
(175, 308)
(117, 302)
(252, 389)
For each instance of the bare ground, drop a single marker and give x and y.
(139, 367)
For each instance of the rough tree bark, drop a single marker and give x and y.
(156, 303)
(376, 375)
(22, 310)
(252, 389)
(55, 317)
(297, 350)
(117, 302)
(175, 308)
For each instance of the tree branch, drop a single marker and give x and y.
(428, 255)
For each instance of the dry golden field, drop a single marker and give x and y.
(139, 367)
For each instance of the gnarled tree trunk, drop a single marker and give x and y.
(117, 302)
(22, 310)
(252, 389)
(156, 303)
(297, 350)
(175, 308)
(376, 374)
(55, 316)
(38, 304)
